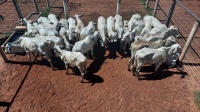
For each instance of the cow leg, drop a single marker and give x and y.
(49, 59)
(67, 66)
(138, 67)
(129, 62)
(82, 73)
(157, 65)
(92, 54)
(29, 56)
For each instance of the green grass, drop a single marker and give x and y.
(45, 13)
(149, 12)
(197, 98)
(4, 35)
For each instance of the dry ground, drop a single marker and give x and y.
(109, 85)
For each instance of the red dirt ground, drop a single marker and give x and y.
(109, 85)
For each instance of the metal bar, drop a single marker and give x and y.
(189, 40)
(65, 5)
(147, 3)
(2, 1)
(155, 8)
(48, 4)
(170, 12)
(188, 10)
(17, 9)
(118, 6)
(35, 5)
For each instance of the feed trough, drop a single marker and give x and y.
(14, 36)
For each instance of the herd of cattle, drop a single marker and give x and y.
(150, 41)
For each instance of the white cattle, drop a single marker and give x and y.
(171, 31)
(112, 35)
(34, 45)
(88, 30)
(71, 31)
(119, 25)
(43, 20)
(173, 55)
(148, 26)
(148, 56)
(127, 39)
(31, 30)
(133, 20)
(102, 28)
(73, 59)
(45, 31)
(53, 19)
(79, 24)
(64, 23)
(141, 44)
(63, 34)
(87, 44)
(53, 41)
(138, 29)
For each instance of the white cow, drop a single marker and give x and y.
(45, 31)
(157, 44)
(88, 30)
(64, 23)
(171, 31)
(71, 31)
(112, 35)
(133, 20)
(119, 25)
(173, 55)
(63, 34)
(148, 56)
(53, 19)
(43, 20)
(102, 28)
(79, 25)
(34, 45)
(87, 44)
(73, 59)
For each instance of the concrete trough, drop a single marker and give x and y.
(14, 36)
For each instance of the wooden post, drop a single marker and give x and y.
(17, 9)
(171, 10)
(156, 8)
(189, 40)
(147, 3)
(5, 59)
(65, 8)
(118, 6)
(36, 7)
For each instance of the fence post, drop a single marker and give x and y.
(118, 6)
(65, 8)
(17, 9)
(3, 55)
(155, 8)
(171, 10)
(189, 40)
(147, 3)
(35, 4)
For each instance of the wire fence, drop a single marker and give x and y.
(184, 19)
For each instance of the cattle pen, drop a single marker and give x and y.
(109, 86)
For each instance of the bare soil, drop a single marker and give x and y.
(109, 86)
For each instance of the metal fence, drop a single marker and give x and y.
(179, 15)
(174, 12)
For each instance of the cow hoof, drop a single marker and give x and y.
(129, 69)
